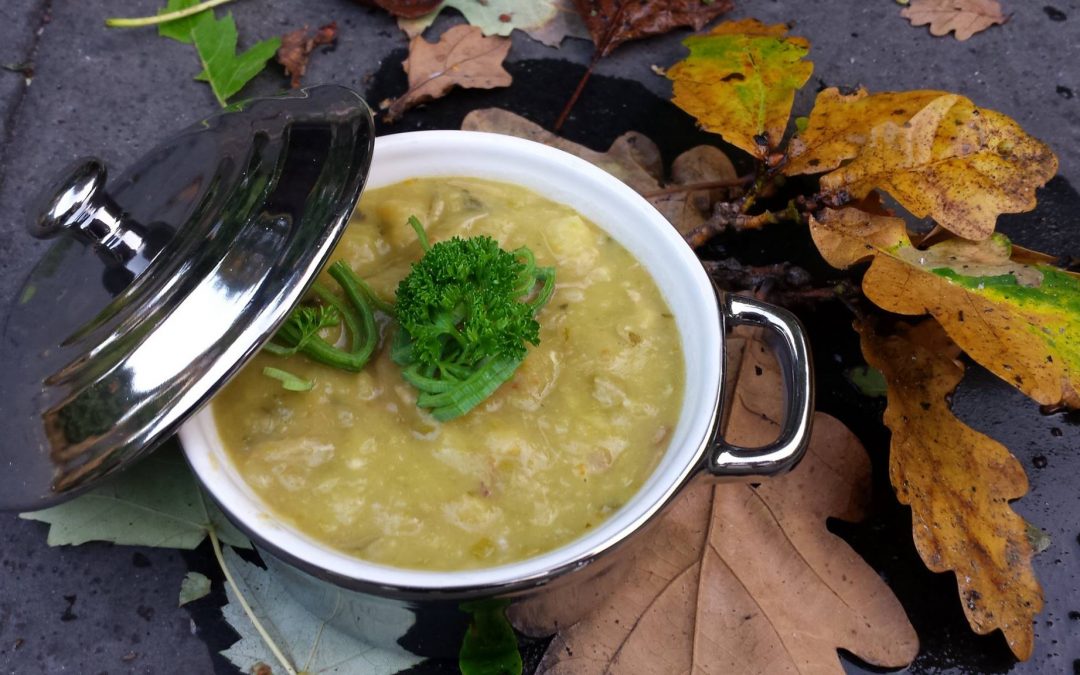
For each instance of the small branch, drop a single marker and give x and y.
(164, 18)
(705, 185)
(247, 608)
(728, 215)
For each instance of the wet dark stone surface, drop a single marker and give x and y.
(101, 608)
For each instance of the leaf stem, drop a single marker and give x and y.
(163, 18)
(243, 603)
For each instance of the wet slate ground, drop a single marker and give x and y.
(99, 608)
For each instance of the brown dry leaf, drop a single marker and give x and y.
(1010, 311)
(963, 18)
(958, 484)
(613, 22)
(296, 47)
(840, 125)
(634, 159)
(959, 164)
(741, 580)
(463, 57)
(407, 9)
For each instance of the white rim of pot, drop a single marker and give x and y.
(635, 224)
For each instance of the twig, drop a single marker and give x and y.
(729, 215)
(244, 604)
(704, 185)
(164, 18)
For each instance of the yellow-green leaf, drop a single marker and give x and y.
(740, 81)
(1020, 321)
(959, 164)
(840, 125)
(958, 483)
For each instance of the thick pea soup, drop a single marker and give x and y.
(567, 441)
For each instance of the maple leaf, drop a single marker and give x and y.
(736, 579)
(959, 164)
(1021, 321)
(226, 70)
(963, 18)
(739, 81)
(296, 47)
(958, 483)
(839, 125)
(463, 57)
(635, 160)
(154, 503)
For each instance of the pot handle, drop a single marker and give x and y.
(788, 340)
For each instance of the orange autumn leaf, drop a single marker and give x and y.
(736, 579)
(463, 57)
(959, 164)
(739, 81)
(840, 124)
(962, 18)
(958, 483)
(1012, 313)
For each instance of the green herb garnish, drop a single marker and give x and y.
(288, 380)
(466, 311)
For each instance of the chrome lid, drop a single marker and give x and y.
(163, 287)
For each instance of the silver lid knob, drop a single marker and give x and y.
(77, 202)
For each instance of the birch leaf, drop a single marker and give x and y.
(613, 22)
(959, 164)
(742, 580)
(958, 483)
(962, 18)
(462, 57)
(157, 502)
(740, 82)
(1020, 321)
(310, 642)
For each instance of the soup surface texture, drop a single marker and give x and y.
(570, 438)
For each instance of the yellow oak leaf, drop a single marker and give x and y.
(958, 483)
(737, 579)
(962, 18)
(1020, 320)
(959, 164)
(463, 57)
(840, 125)
(740, 80)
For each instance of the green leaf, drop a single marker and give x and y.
(154, 503)
(225, 69)
(869, 381)
(193, 587)
(490, 646)
(309, 642)
(180, 29)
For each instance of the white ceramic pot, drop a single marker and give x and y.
(386, 601)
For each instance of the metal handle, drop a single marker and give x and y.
(788, 340)
(76, 202)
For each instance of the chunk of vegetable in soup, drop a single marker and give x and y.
(552, 453)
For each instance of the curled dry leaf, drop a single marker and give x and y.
(959, 164)
(407, 9)
(462, 57)
(958, 484)
(296, 47)
(740, 82)
(635, 160)
(963, 18)
(613, 22)
(840, 124)
(1020, 321)
(741, 580)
